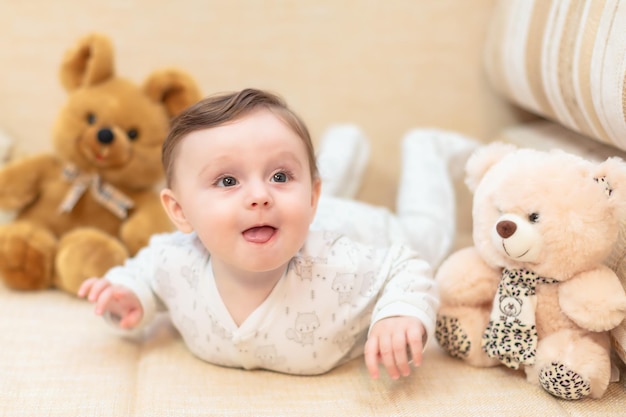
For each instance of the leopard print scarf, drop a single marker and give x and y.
(511, 336)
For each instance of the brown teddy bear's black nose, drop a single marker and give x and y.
(506, 228)
(105, 136)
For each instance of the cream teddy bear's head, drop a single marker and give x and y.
(553, 213)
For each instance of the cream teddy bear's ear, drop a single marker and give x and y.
(89, 62)
(611, 174)
(483, 159)
(173, 88)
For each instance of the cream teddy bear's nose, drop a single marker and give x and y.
(519, 239)
(506, 228)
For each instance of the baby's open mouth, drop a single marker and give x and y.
(259, 234)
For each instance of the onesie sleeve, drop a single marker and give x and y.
(409, 288)
(136, 274)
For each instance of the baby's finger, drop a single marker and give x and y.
(130, 319)
(86, 287)
(387, 356)
(400, 354)
(102, 301)
(97, 288)
(416, 346)
(371, 357)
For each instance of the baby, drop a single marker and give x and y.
(245, 280)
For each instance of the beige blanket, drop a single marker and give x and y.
(58, 359)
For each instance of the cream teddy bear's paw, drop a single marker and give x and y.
(564, 383)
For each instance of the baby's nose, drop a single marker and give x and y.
(260, 202)
(260, 196)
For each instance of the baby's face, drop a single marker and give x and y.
(245, 187)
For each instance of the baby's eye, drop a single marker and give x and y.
(226, 182)
(280, 177)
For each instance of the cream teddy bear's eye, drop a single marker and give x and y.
(533, 217)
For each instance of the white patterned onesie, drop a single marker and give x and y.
(315, 318)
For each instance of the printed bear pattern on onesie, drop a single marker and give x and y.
(315, 318)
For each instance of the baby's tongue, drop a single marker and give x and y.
(259, 234)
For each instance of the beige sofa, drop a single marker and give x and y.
(387, 67)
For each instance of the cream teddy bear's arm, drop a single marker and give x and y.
(465, 279)
(20, 180)
(594, 300)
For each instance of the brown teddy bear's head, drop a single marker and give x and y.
(109, 125)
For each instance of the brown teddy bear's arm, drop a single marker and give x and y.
(594, 300)
(465, 279)
(21, 180)
(146, 219)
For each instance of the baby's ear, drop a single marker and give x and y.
(483, 159)
(175, 211)
(316, 191)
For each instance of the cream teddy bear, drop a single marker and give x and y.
(533, 292)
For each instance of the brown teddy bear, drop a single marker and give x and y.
(533, 292)
(91, 203)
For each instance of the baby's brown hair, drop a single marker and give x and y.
(218, 109)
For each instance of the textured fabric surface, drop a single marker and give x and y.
(59, 360)
(564, 60)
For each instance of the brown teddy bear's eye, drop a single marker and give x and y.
(91, 118)
(133, 134)
(533, 217)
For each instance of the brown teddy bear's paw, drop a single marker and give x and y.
(562, 382)
(451, 337)
(85, 253)
(26, 257)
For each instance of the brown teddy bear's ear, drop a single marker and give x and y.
(172, 87)
(483, 159)
(89, 62)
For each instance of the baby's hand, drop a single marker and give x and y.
(121, 303)
(390, 341)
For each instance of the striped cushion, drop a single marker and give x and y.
(566, 61)
(563, 60)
